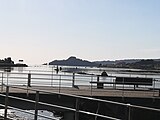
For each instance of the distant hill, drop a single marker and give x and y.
(105, 62)
(7, 62)
(117, 61)
(146, 64)
(127, 63)
(73, 61)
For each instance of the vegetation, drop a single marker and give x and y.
(7, 62)
(148, 64)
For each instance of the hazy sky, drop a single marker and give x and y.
(40, 31)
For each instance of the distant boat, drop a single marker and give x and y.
(20, 60)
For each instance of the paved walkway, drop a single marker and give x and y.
(87, 91)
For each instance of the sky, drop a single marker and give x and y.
(40, 31)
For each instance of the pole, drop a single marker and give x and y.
(123, 90)
(77, 109)
(6, 102)
(91, 85)
(36, 105)
(7, 78)
(153, 88)
(2, 83)
(29, 80)
(73, 80)
(59, 83)
(52, 78)
(129, 111)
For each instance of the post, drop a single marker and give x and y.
(36, 105)
(97, 111)
(6, 102)
(153, 87)
(52, 78)
(91, 85)
(97, 81)
(7, 78)
(2, 83)
(99, 85)
(123, 90)
(29, 80)
(73, 80)
(129, 111)
(134, 86)
(114, 82)
(59, 83)
(77, 109)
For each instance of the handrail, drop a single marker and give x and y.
(87, 98)
(79, 97)
(48, 74)
(70, 95)
(60, 80)
(102, 116)
(58, 106)
(147, 108)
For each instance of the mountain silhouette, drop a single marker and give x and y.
(73, 61)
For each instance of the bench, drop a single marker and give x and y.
(134, 81)
(100, 85)
(126, 81)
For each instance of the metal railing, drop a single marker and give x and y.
(80, 83)
(120, 111)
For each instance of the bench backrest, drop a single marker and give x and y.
(134, 81)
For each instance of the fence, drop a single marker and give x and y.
(77, 84)
(80, 107)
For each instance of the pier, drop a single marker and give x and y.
(76, 97)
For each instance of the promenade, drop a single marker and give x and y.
(88, 91)
(82, 96)
(73, 102)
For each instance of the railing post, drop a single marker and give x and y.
(154, 87)
(97, 81)
(7, 78)
(91, 85)
(6, 102)
(97, 111)
(52, 78)
(29, 80)
(77, 109)
(73, 80)
(2, 83)
(129, 111)
(36, 105)
(123, 90)
(59, 83)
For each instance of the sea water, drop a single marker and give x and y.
(46, 75)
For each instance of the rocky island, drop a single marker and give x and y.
(73, 61)
(7, 62)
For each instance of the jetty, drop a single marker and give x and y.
(77, 97)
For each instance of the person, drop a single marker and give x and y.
(104, 74)
(57, 69)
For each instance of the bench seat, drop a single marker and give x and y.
(125, 81)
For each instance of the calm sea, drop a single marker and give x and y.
(46, 75)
